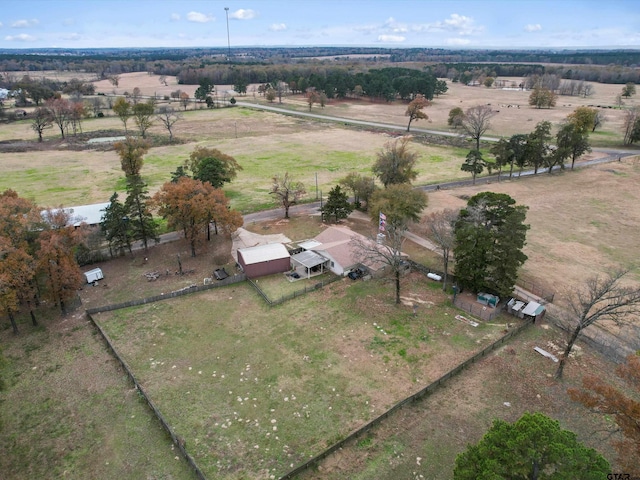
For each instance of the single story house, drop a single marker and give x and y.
(264, 260)
(339, 247)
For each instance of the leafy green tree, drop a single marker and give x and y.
(490, 234)
(204, 90)
(535, 447)
(572, 141)
(143, 116)
(143, 227)
(337, 205)
(628, 90)
(240, 85)
(537, 146)
(395, 163)
(584, 118)
(122, 109)
(456, 115)
(361, 186)
(180, 172)
(414, 110)
(131, 150)
(518, 147)
(474, 164)
(542, 98)
(213, 166)
(116, 227)
(488, 82)
(503, 155)
(400, 203)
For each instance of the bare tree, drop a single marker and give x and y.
(601, 298)
(287, 191)
(387, 252)
(439, 227)
(168, 117)
(476, 122)
(115, 80)
(41, 121)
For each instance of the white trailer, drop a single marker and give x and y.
(94, 275)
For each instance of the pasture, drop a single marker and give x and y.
(314, 368)
(255, 391)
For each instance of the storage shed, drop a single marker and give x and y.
(93, 275)
(264, 260)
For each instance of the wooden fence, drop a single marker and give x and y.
(178, 441)
(429, 389)
(164, 296)
(477, 310)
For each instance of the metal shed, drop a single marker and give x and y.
(264, 260)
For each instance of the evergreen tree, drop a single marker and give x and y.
(474, 164)
(490, 235)
(532, 448)
(142, 225)
(337, 205)
(116, 226)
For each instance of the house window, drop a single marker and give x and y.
(332, 264)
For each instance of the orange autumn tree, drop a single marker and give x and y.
(414, 110)
(55, 258)
(191, 205)
(622, 405)
(19, 226)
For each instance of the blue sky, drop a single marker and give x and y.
(385, 23)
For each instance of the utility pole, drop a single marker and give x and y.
(226, 10)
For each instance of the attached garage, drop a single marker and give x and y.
(264, 260)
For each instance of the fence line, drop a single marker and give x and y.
(297, 293)
(536, 289)
(429, 389)
(178, 441)
(241, 277)
(485, 313)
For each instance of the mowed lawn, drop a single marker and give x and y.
(254, 391)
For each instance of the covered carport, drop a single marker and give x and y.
(309, 263)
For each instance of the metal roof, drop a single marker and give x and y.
(533, 309)
(309, 258)
(264, 253)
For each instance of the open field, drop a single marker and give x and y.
(70, 412)
(254, 391)
(423, 440)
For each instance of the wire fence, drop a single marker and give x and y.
(312, 288)
(429, 389)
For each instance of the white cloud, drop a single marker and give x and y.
(457, 41)
(277, 27)
(68, 22)
(391, 38)
(392, 25)
(533, 27)
(25, 23)
(23, 37)
(199, 17)
(242, 14)
(460, 24)
(175, 17)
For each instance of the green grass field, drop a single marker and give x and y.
(255, 391)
